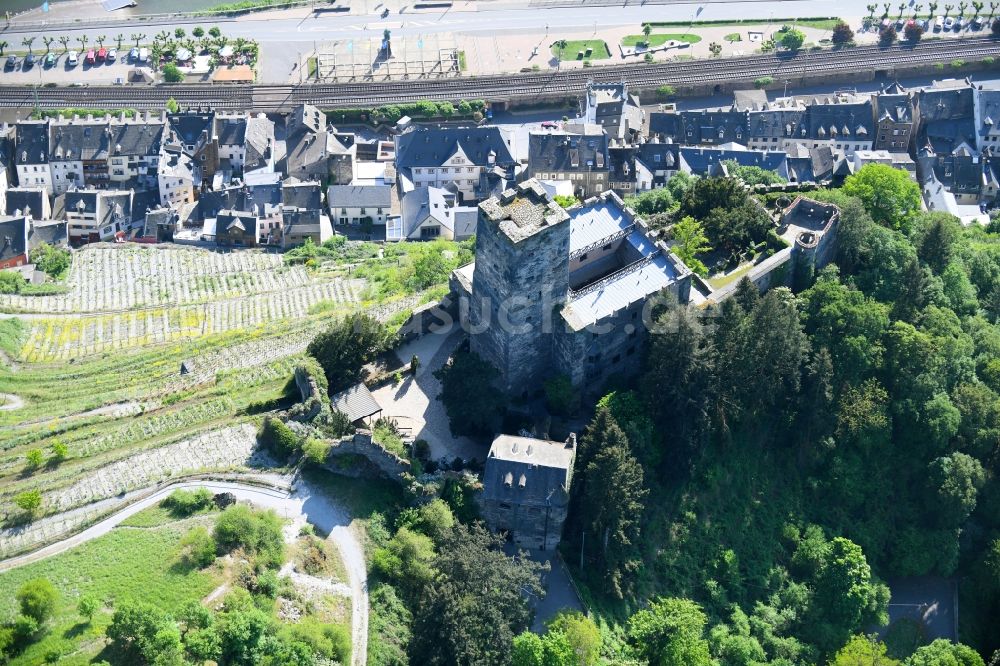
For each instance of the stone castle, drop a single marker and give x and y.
(562, 292)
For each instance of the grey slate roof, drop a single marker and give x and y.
(300, 221)
(25, 199)
(81, 140)
(431, 147)
(50, 232)
(360, 196)
(848, 121)
(565, 151)
(13, 237)
(32, 142)
(231, 130)
(706, 161)
(895, 108)
(527, 470)
(776, 123)
(302, 194)
(701, 127)
(357, 402)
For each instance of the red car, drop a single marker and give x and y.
(550, 124)
(102, 54)
(89, 58)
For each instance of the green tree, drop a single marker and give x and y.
(582, 635)
(87, 606)
(346, 346)
(474, 404)
(612, 504)
(477, 602)
(846, 598)
(172, 73)
(37, 599)
(889, 195)
(690, 241)
(670, 632)
(863, 651)
(937, 234)
(527, 650)
(953, 481)
(944, 653)
(59, 452)
(793, 39)
(172, 106)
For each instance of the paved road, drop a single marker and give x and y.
(304, 503)
(491, 18)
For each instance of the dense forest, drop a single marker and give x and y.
(784, 455)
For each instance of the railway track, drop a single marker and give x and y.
(365, 94)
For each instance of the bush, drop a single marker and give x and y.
(172, 73)
(315, 450)
(279, 438)
(37, 599)
(344, 348)
(198, 548)
(913, 32)
(793, 39)
(183, 503)
(887, 35)
(11, 282)
(29, 501)
(34, 458)
(763, 81)
(257, 532)
(53, 261)
(87, 606)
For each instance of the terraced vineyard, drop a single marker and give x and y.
(98, 371)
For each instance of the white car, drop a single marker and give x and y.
(73, 59)
(949, 23)
(938, 23)
(112, 55)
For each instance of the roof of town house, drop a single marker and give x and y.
(894, 108)
(79, 140)
(987, 111)
(107, 205)
(432, 147)
(139, 139)
(845, 118)
(360, 196)
(568, 151)
(260, 199)
(465, 220)
(658, 155)
(706, 161)
(13, 236)
(192, 126)
(231, 129)
(614, 109)
(302, 221)
(308, 148)
(259, 139)
(243, 220)
(357, 402)
(176, 165)
(701, 127)
(781, 123)
(945, 100)
(959, 173)
(522, 211)
(524, 469)
(753, 99)
(621, 163)
(50, 232)
(32, 142)
(305, 118)
(26, 199)
(307, 194)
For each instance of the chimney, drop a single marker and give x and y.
(571, 441)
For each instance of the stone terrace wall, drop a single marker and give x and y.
(363, 445)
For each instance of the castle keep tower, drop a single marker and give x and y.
(522, 240)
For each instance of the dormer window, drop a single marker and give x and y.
(508, 480)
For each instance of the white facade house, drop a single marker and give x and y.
(359, 204)
(177, 178)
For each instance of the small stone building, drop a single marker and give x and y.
(526, 486)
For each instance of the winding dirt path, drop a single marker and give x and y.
(304, 502)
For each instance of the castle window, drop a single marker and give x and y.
(583, 257)
(606, 247)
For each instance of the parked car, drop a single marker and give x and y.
(959, 23)
(73, 59)
(29, 61)
(938, 23)
(977, 23)
(112, 55)
(133, 53)
(550, 124)
(102, 54)
(143, 54)
(11, 62)
(50, 59)
(90, 58)
(949, 23)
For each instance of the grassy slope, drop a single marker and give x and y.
(573, 47)
(126, 564)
